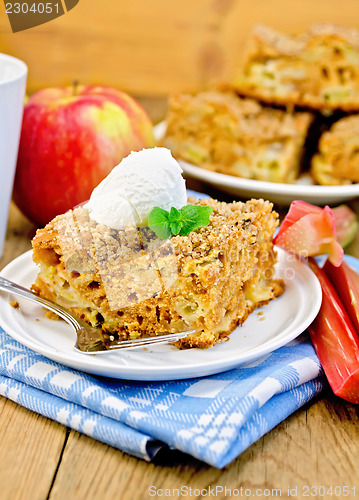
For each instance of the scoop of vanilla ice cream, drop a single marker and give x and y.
(143, 180)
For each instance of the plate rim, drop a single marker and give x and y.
(161, 373)
(266, 186)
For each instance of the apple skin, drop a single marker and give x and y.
(71, 139)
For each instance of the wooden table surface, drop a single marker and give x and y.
(318, 446)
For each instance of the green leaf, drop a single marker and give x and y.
(174, 214)
(163, 232)
(175, 227)
(182, 221)
(158, 221)
(194, 217)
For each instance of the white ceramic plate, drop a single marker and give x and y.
(282, 320)
(277, 192)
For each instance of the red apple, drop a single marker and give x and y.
(71, 139)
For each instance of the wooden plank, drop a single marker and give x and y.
(29, 453)
(294, 455)
(18, 236)
(156, 47)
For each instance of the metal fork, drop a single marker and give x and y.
(90, 340)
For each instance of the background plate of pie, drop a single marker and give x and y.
(265, 330)
(277, 192)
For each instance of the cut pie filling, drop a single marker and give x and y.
(337, 160)
(219, 131)
(132, 285)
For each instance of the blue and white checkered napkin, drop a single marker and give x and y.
(212, 418)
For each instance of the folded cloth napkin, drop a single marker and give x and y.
(212, 418)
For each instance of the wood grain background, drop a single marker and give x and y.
(156, 46)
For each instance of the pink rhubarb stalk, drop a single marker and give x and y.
(308, 230)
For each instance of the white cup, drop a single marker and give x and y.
(13, 73)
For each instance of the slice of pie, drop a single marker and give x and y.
(219, 131)
(132, 284)
(337, 161)
(317, 69)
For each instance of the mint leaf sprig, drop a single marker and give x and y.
(183, 221)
